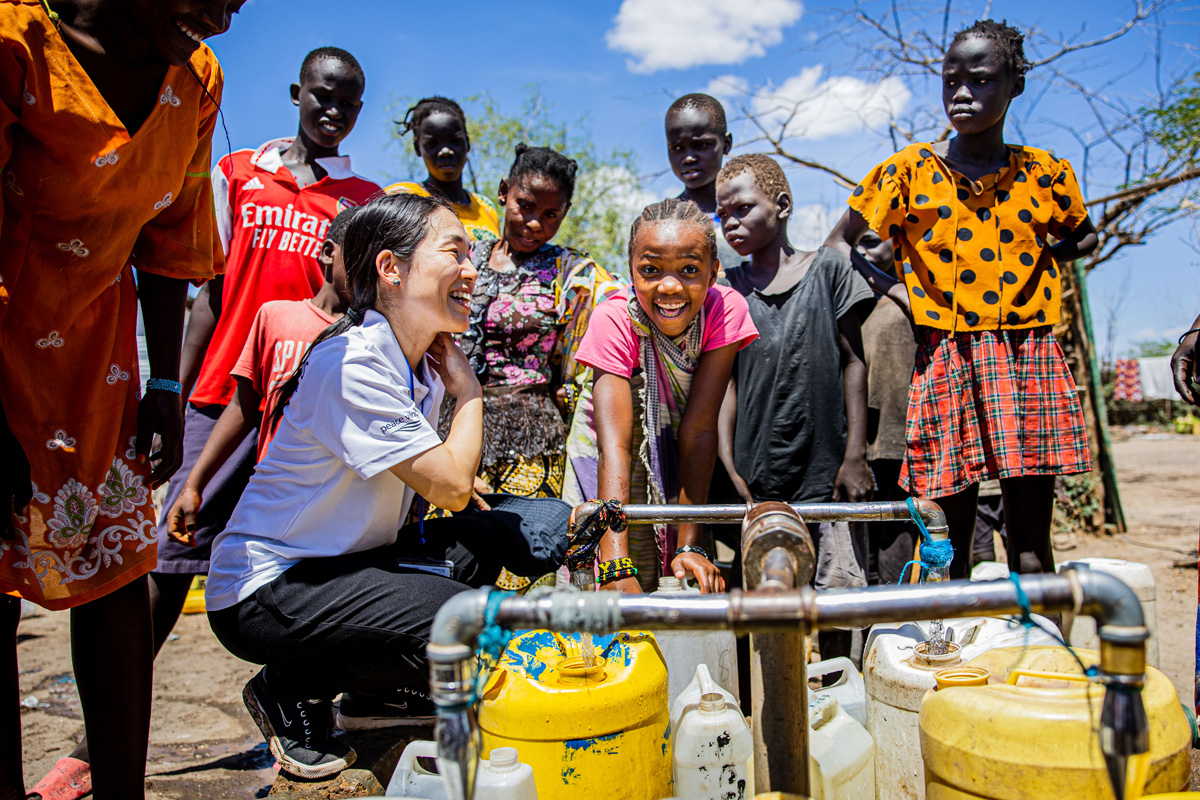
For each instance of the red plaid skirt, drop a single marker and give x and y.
(990, 404)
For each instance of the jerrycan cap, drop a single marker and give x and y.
(504, 759)
(961, 676)
(669, 583)
(924, 658)
(573, 671)
(712, 703)
(821, 709)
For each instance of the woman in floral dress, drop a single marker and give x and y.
(530, 307)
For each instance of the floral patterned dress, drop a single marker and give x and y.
(84, 201)
(525, 325)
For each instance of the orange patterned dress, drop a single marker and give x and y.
(84, 203)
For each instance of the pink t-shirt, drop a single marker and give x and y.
(611, 344)
(282, 332)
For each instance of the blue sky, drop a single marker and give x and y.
(621, 64)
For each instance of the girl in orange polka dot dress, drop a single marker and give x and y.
(972, 220)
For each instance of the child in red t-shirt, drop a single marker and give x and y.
(281, 334)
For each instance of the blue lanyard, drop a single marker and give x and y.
(420, 500)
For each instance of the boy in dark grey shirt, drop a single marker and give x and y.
(794, 420)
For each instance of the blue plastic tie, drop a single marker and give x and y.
(933, 554)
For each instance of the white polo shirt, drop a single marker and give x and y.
(324, 488)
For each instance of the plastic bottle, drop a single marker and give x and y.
(849, 690)
(503, 777)
(685, 649)
(841, 754)
(711, 752)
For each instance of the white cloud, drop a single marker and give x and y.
(618, 189)
(678, 34)
(812, 108)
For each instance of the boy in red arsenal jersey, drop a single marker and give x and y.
(274, 207)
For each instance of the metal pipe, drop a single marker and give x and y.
(1116, 609)
(890, 511)
(777, 556)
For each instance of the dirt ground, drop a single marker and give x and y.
(203, 744)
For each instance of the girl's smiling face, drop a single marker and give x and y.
(977, 85)
(673, 267)
(534, 208)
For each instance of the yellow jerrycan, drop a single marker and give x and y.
(602, 731)
(1029, 731)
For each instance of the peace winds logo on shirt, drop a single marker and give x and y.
(409, 421)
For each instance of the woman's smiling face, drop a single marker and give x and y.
(673, 267)
(441, 276)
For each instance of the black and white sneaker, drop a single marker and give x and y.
(298, 731)
(408, 705)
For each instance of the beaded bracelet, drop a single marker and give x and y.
(618, 575)
(164, 385)
(617, 568)
(691, 548)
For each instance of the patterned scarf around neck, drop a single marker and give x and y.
(668, 365)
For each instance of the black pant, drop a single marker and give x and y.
(892, 543)
(359, 622)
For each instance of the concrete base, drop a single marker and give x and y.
(378, 751)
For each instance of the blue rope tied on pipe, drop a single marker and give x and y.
(493, 638)
(933, 554)
(1027, 621)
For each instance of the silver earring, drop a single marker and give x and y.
(395, 282)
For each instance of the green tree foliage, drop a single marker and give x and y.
(608, 190)
(1176, 126)
(1154, 348)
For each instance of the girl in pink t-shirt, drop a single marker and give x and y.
(661, 356)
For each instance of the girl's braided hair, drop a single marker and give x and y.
(1009, 39)
(547, 163)
(426, 106)
(676, 210)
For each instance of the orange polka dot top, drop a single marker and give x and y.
(974, 254)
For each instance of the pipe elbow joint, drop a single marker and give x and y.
(1109, 600)
(934, 518)
(457, 625)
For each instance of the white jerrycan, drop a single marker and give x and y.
(1081, 631)
(502, 777)
(849, 689)
(711, 752)
(683, 650)
(841, 754)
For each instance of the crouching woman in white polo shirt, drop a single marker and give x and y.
(311, 578)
